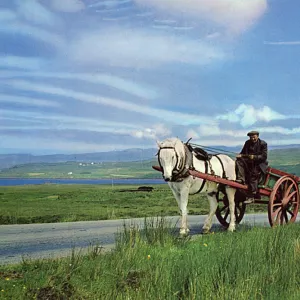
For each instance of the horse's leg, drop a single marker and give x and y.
(213, 204)
(230, 195)
(182, 201)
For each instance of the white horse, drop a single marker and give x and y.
(176, 158)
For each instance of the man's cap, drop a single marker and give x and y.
(253, 132)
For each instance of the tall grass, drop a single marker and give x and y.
(153, 262)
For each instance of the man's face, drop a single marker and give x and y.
(254, 138)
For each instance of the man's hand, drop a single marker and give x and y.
(251, 156)
(239, 156)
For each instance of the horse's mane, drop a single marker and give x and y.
(170, 142)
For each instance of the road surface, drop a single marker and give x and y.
(58, 239)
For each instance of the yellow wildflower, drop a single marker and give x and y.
(7, 278)
(205, 245)
(148, 256)
(2, 290)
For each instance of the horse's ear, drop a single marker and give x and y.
(158, 144)
(188, 140)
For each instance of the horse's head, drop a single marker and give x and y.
(171, 156)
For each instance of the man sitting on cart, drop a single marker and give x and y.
(251, 162)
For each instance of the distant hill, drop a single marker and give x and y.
(134, 169)
(286, 155)
(10, 160)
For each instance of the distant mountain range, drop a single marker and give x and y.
(134, 154)
(9, 160)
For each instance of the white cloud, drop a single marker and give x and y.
(234, 137)
(248, 115)
(126, 85)
(19, 62)
(280, 130)
(68, 6)
(213, 35)
(33, 32)
(287, 43)
(214, 129)
(167, 116)
(7, 15)
(109, 3)
(28, 101)
(34, 12)
(52, 121)
(235, 16)
(191, 133)
(166, 21)
(140, 49)
(156, 132)
(60, 145)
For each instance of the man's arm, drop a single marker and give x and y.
(244, 150)
(263, 153)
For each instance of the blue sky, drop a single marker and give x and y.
(86, 75)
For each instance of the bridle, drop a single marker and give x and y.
(181, 169)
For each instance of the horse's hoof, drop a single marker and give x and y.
(184, 232)
(205, 231)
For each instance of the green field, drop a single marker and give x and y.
(61, 203)
(153, 263)
(65, 203)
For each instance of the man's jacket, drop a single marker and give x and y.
(260, 150)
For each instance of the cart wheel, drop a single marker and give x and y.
(222, 212)
(284, 201)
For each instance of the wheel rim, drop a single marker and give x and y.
(284, 202)
(223, 213)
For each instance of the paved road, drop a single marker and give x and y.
(58, 239)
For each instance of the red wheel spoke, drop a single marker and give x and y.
(285, 185)
(287, 191)
(291, 195)
(277, 204)
(276, 212)
(278, 218)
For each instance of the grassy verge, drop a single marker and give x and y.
(65, 203)
(153, 263)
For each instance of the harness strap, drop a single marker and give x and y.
(223, 174)
(204, 180)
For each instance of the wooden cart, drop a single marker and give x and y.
(280, 187)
